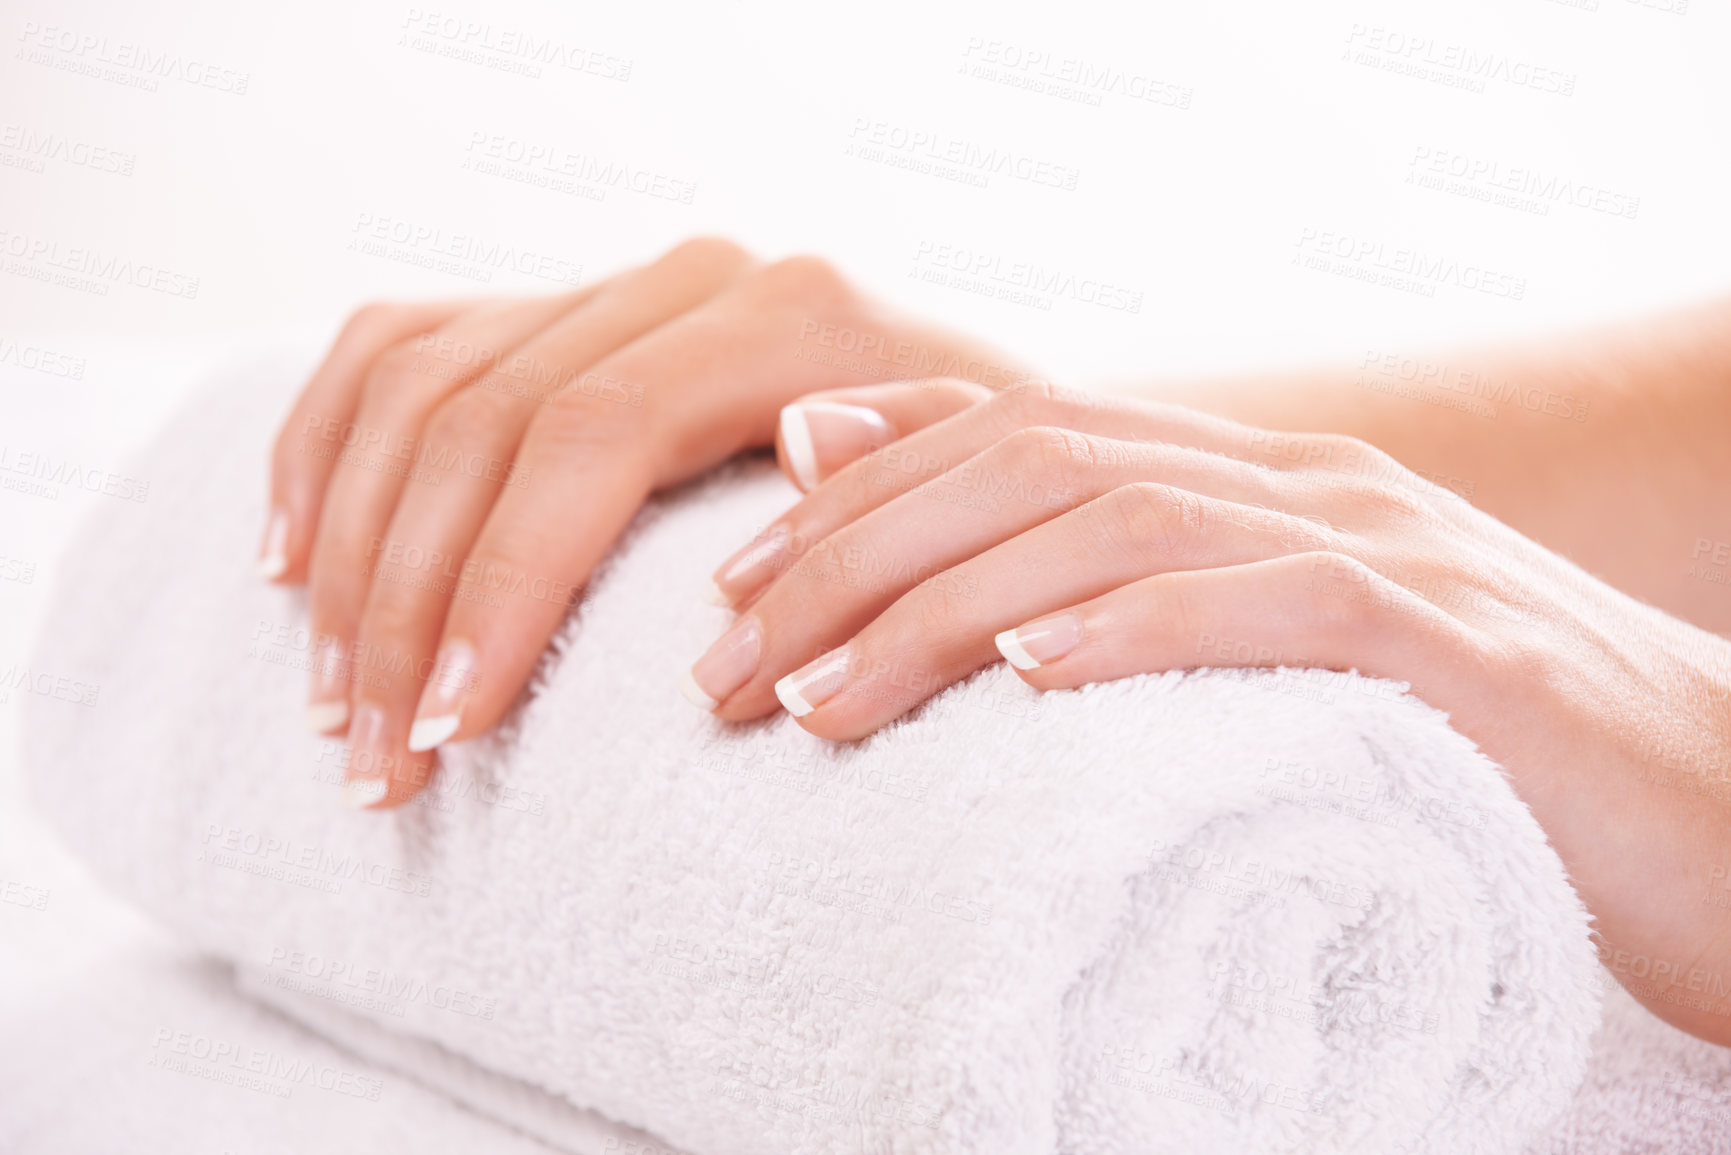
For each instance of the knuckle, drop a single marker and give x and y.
(466, 414)
(708, 250)
(1043, 402)
(392, 617)
(1349, 596)
(372, 316)
(1157, 519)
(927, 612)
(805, 276)
(1049, 451)
(392, 370)
(1525, 663)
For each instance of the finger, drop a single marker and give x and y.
(477, 546)
(878, 477)
(821, 432)
(834, 587)
(379, 451)
(942, 628)
(1321, 609)
(298, 477)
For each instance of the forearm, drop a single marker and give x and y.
(1609, 447)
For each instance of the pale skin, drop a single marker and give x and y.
(1081, 536)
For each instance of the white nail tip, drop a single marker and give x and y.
(796, 442)
(716, 596)
(360, 793)
(1011, 648)
(790, 698)
(273, 559)
(429, 732)
(694, 693)
(323, 717)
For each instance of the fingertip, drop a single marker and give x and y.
(273, 558)
(1011, 648)
(427, 733)
(796, 447)
(364, 793)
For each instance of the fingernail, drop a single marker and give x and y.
(329, 697)
(1030, 646)
(717, 596)
(753, 567)
(820, 437)
(811, 686)
(725, 666)
(368, 777)
(324, 717)
(440, 710)
(273, 555)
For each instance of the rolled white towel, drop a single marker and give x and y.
(1279, 911)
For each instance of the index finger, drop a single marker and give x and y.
(297, 478)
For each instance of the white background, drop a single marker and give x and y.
(354, 112)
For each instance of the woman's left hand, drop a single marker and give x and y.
(1086, 539)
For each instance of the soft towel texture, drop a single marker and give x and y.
(98, 1076)
(1184, 913)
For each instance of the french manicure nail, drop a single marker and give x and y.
(273, 555)
(811, 686)
(325, 717)
(368, 777)
(753, 566)
(1046, 640)
(330, 689)
(725, 666)
(361, 793)
(821, 436)
(440, 711)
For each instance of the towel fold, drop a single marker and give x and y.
(1275, 911)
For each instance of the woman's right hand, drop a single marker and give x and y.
(453, 472)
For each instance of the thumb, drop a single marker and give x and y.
(822, 432)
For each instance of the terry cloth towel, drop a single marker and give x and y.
(1208, 912)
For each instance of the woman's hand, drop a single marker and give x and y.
(1086, 539)
(452, 472)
